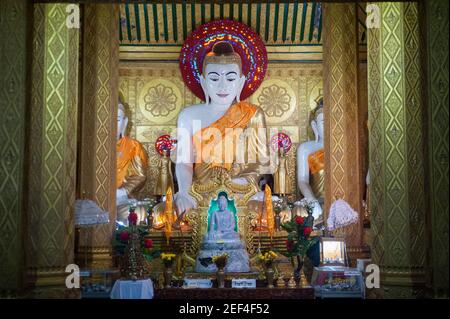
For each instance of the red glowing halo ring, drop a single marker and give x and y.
(164, 143)
(246, 42)
(281, 140)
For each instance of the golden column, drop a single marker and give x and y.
(99, 124)
(14, 35)
(344, 152)
(52, 149)
(396, 144)
(438, 79)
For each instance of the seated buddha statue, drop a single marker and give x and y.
(222, 237)
(310, 165)
(132, 162)
(224, 134)
(223, 223)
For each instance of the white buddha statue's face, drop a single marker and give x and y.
(223, 203)
(318, 127)
(222, 83)
(122, 121)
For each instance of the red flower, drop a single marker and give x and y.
(289, 245)
(132, 218)
(148, 243)
(124, 236)
(307, 231)
(299, 220)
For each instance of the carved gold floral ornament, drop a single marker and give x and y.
(274, 100)
(160, 100)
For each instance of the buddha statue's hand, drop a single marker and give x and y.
(184, 201)
(121, 196)
(317, 210)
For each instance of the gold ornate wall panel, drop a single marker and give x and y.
(52, 164)
(396, 149)
(155, 93)
(438, 81)
(343, 144)
(99, 116)
(14, 32)
(363, 120)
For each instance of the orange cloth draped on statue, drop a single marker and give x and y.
(213, 147)
(132, 161)
(236, 142)
(316, 161)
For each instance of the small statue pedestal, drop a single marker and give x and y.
(238, 260)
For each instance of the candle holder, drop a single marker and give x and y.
(221, 262)
(168, 260)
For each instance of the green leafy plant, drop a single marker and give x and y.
(121, 240)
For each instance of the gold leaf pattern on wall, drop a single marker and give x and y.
(343, 179)
(55, 57)
(396, 148)
(438, 115)
(100, 89)
(13, 36)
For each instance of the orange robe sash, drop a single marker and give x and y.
(316, 161)
(127, 150)
(214, 148)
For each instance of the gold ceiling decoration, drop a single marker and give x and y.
(291, 31)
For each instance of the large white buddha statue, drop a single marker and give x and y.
(310, 164)
(208, 134)
(132, 162)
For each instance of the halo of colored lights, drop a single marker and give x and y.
(246, 42)
(281, 140)
(165, 143)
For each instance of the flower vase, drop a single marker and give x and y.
(269, 275)
(220, 278)
(168, 273)
(299, 270)
(277, 222)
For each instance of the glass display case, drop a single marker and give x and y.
(97, 283)
(338, 282)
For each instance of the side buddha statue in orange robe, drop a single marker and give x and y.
(132, 162)
(311, 164)
(222, 134)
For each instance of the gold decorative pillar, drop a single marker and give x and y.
(344, 151)
(52, 150)
(438, 80)
(396, 147)
(14, 33)
(99, 123)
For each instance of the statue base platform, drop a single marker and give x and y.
(233, 293)
(252, 274)
(238, 260)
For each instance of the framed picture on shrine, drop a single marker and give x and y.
(333, 252)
